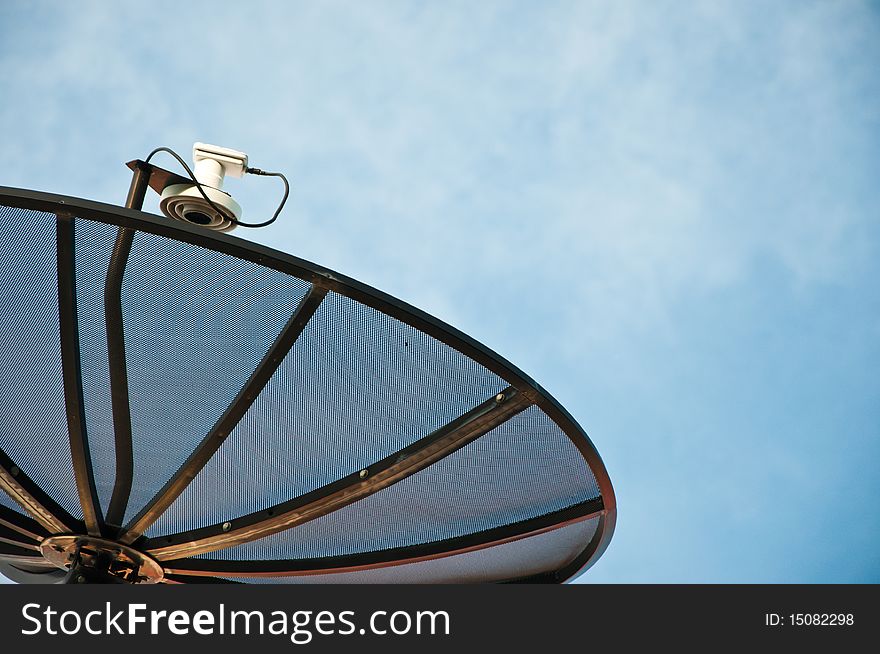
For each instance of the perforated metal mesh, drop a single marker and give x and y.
(93, 245)
(197, 323)
(33, 423)
(525, 468)
(358, 385)
(529, 556)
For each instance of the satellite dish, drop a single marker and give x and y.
(183, 406)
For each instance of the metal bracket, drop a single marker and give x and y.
(99, 561)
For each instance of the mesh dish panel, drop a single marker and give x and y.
(356, 387)
(94, 243)
(33, 421)
(196, 327)
(524, 468)
(534, 555)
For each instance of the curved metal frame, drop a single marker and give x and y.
(523, 392)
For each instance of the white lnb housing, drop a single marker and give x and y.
(185, 201)
(212, 163)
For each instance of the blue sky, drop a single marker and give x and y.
(666, 213)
